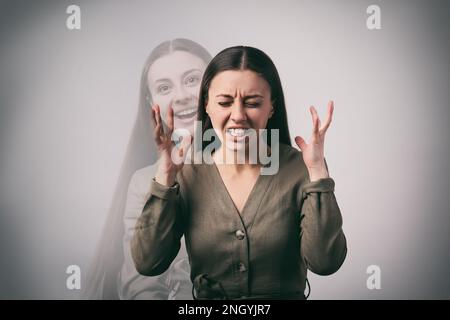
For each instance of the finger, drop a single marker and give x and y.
(300, 143)
(158, 132)
(315, 119)
(329, 117)
(182, 151)
(153, 117)
(185, 144)
(170, 119)
(158, 115)
(159, 121)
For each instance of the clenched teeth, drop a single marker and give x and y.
(238, 132)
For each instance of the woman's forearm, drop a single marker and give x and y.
(156, 240)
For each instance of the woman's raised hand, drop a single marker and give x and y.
(313, 153)
(171, 158)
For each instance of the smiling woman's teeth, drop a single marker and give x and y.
(187, 112)
(237, 132)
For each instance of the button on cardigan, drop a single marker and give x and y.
(287, 226)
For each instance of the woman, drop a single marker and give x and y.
(247, 235)
(171, 75)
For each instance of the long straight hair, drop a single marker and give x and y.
(242, 58)
(101, 279)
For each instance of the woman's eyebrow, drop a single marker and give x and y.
(182, 76)
(190, 71)
(162, 80)
(225, 96)
(245, 97)
(253, 96)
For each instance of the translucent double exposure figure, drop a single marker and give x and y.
(171, 77)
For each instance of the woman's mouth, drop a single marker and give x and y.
(238, 134)
(186, 115)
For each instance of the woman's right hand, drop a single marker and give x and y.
(171, 158)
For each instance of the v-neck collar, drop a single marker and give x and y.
(254, 199)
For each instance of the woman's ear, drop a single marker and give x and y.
(206, 106)
(271, 112)
(273, 109)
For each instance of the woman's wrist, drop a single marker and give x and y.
(165, 178)
(318, 173)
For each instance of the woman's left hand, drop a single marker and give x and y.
(313, 153)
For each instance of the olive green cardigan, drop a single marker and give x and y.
(288, 225)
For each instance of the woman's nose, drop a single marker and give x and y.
(181, 95)
(238, 112)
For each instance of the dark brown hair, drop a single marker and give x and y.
(246, 58)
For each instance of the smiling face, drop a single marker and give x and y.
(175, 79)
(238, 101)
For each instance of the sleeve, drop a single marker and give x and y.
(323, 243)
(156, 239)
(131, 284)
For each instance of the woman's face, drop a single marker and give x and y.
(238, 101)
(174, 80)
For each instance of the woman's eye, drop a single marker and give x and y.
(192, 81)
(253, 104)
(248, 104)
(163, 89)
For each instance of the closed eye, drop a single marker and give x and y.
(253, 104)
(248, 104)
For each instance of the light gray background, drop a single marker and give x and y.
(68, 100)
